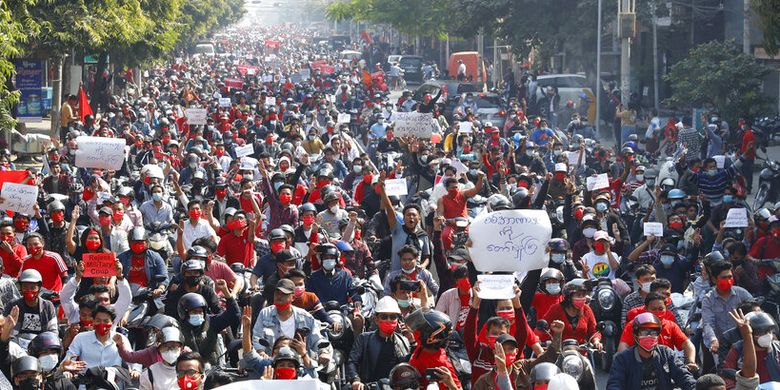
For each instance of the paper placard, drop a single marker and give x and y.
(273, 384)
(720, 161)
(305, 73)
(597, 182)
(102, 265)
(225, 102)
(574, 158)
(100, 152)
(395, 187)
(459, 167)
(510, 240)
(103, 196)
(248, 164)
(414, 124)
(653, 229)
(736, 218)
(496, 286)
(267, 78)
(466, 127)
(344, 118)
(270, 101)
(251, 71)
(19, 198)
(302, 247)
(246, 150)
(196, 116)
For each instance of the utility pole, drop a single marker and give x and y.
(598, 69)
(480, 50)
(746, 28)
(56, 98)
(627, 20)
(655, 53)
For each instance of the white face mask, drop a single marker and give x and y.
(357, 169)
(557, 258)
(48, 362)
(329, 264)
(171, 355)
(765, 341)
(640, 177)
(589, 232)
(645, 286)
(335, 209)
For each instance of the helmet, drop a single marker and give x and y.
(159, 321)
(434, 327)
(498, 202)
(286, 353)
(76, 187)
(137, 234)
(574, 286)
(230, 211)
(627, 150)
(558, 245)
(646, 321)
(190, 301)
(761, 321)
(543, 372)
(192, 265)
(763, 213)
(331, 196)
(55, 206)
(44, 341)
(171, 333)
(387, 305)
(676, 194)
(562, 381)
(197, 251)
(277, 234)
(520, 198)
(287, 229)
(307, 207)
(551, 273)
(713, 257)
(328, 250)
(404, 376)
(127, 192)
(344, 246)
(30, 276)
(25, 363)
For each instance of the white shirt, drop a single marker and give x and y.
(164, 377)
(288, 326)
(90, 350)
(71, 307)
(192, 233)
(599, 265)
(462, 69)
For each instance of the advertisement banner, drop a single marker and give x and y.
(29, 82)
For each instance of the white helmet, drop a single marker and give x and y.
(387, 305)
(562, 381)
(171, 333)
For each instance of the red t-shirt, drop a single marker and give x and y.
(52, 269)
(13, 262)
(671, 335)
(237, 249)
(586, 325)
(765, 248)
(543, 302)
(423, 360)
(137, 274)
(668, 314)
(454, 207)
(747, 138)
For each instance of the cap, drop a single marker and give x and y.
(506, 337)
(286, 286)
(560, 167)
(668, 248)
(106, 210)
(600, 235)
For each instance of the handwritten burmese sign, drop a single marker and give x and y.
(19, 197)
(100, 152)
(415, 124)
(510, 240)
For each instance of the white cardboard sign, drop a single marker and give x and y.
(19, 198)
(246, 150)
(597, 182)
(415, 124)
(273, 384)
(344, 118)
(720, 161)
(510, 240)
(496, 286)
(653, 229)
(100, 152)
(196, 116)
(225, 102)
(736, 218)
(574, 158)
(465, 127)
(396, 187)
(270, 101)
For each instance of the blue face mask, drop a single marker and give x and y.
(601, 207)
(728, 198)
(553, 288)
(196, 319)
(667, 259)
(557, 258)
(404, 302)
(157, 197)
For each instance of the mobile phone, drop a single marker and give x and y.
(410, 285)
(431, 374)
(303, 332)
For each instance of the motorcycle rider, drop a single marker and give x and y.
(766, 346)
(560, 258)
(141, 265)
(12, 253)
(190, 371)
(192, 280)
(433, 333)
(200, 330)
(644, 275)
(551, 284)
(162, 375)
(37, 314)
(46, 347)
(331, 282)
(49, 264)
(409, 257)
(574, 307)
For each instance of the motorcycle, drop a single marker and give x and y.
(768, 184)
(142, 307)
(573, 362)
(341, 341)
(607, 308)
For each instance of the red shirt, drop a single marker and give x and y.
(671, 334)
(747, 138)
(52, 269)
(543, 302)
(586, 325)
(668, 314)
(454, 207)
(423, 360)
(237, 249)
(13, 262)
(765, 248)
(137, 274)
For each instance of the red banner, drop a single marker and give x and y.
(272, 44)
(234, 83)
(244, 69)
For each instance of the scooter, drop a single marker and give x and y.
(573, 362)
(768, 184)
(607, 308)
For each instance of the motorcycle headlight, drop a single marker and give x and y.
(337, 319)
(156, 245)
(606, 299)
(573, 366)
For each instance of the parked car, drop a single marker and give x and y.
(412, 67)
(205, 49)
(490, 108)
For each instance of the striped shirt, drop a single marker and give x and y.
(712, 186)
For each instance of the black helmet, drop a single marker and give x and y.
(713, 257)
(190, 301)
(552, 273)
(127, 192)
(328, 250)
(277, 234)
(137, 234)
(55, 205)
(287, 229)
(761, 322)
(573, 286)
(44, 341)
(287, 353)
(198, 252)
(159, 321)
(543, 372)
(404, 376)
(646, 321)
(193, 265)
(307, 207)
(499, 202)
(558, 245)
(520, 198)
(24, 364)
(433, 326)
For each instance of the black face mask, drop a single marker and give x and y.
(192, 281)
(30, 384)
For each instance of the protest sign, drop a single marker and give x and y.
(415, 124)
(295, 78)
(18, 197)
(101, 265)
(736, 218)
(246, 150)
(344, 118)
(273, 384)
(395, 187)
(305, 73)
(225, 102)
(653, 229)
(267, 78)
(100, 152)
(248, 164)
(234, 83)
(597, 182)
(574, 158)
(510, 240)
(720, 161)
(460, 168)
(196, 116)
(270, 101)
(465, 127)
(496, 286)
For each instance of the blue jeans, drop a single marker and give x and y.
(747, 171)
(625, 131)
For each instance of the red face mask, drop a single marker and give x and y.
(269, 140)
(277, 247)
(125, 201)
(648, 342)
(102, 329)
(138, 247)
(725, 284)
(388, 326)
(463, 284)
(283, 306)
(676, 225)
(466, 150)
(35, 251)
(221, 193)
(239, 224)
(560, 176)
(188, 382)
(157, 148)
(104, 220)
(20, 225)
(579, 213)
(220, 152)
(195, 214)
(118, 215)
(508, 314)
(308, 220)
(367, 179)
(492, 341)
(285, 373)
(599, 247)
(453, 192)
(389, 136)
(510, 359)
(495, 136)
(58, 216)
(92, 244)
(86, 324)
(30, 295)
(285, 198)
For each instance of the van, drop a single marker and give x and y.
(574, 87)
(475, 67)
(205, 48)
(349, 55)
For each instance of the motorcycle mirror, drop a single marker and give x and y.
(600, 327)
(542, 325)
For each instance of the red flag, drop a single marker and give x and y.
(364, 36)
(84, 107)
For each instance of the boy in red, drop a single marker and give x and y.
(432, 337)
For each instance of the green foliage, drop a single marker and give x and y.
(768, 14)
(717, 76)
(422, 18)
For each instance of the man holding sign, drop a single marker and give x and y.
(453, 205)
(49, 264)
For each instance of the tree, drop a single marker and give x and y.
(717, 76)
(421, 18)
(768, 14)
(15, 25)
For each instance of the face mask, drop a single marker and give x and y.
(589, 232)
(196, 319)
(192, 281)
(299, 290)
(463, 284)
(452, 192)
(557, 152)
(138, 247)
(765, 341)
(648, 342)
(388, 326)
(557, 258)
(48, 362)
(492, 341)
(335, 209)
(58, 216)
(171, 355)
(285, 198)
(102, 329)
(357, 169)
(728, 198)
(659, 313)
(35, 251)
(157, 197)
(508, 314)
(599, 247)
(712, 172)
(553, 288)
(404, 302)
(530, 152)
(667, 260)
(650, 183)
(104, 220)
(329, 264)
(30, 384)
(221, 193)
(725, 284)
(92, 244)
(188, 382)
(285, 373)
(602, 207)
(640, 177)
(277, 185)
(578, 302)
(249, 176)
(30, 295)
(579, 213)
(676, 225)
(645, 287)
(20, 225)
(282, 306)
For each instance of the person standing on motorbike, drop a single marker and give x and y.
(54, 231)
(551, 284)
(280, 206)
(375, 353)
(200, 330)
(577, 316)
(191, 280)
(141, 265)
(648, 364)
(453, 205)
(162, 374)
